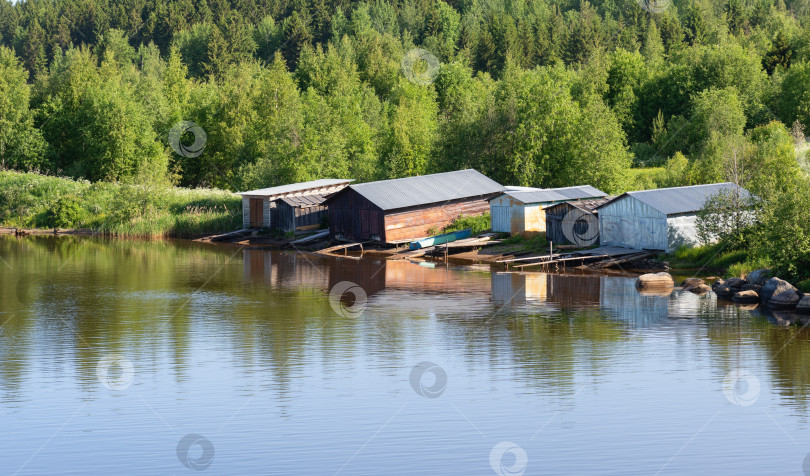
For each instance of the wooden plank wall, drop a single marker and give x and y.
(353, 217)
(413, 224)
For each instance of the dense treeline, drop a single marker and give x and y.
(530, 92)
(549, 92)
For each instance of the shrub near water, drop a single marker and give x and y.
(478, 224)
(32, 200)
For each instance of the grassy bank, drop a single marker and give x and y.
(30, 200)
(715, 258)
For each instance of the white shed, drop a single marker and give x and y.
(662, 219)
(257, 205)
(519, 210)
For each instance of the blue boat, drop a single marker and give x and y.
(441, 239)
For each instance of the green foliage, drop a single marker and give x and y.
(794, 97)
(478, 224)
(545, 93)
(21, 145)
(67, 212)
(646, 178)
(751, 264)
(535, 243)
(711, 257)
(32, 200)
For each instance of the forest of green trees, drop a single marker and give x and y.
(529, 92)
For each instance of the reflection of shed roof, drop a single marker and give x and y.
(304, 201)
(427, 189)
(561, 194)
(676, 200)
(302, 187)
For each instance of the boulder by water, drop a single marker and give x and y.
(774, 286)
(759, 276)
(725, 292)
(692, 282)
(746, 297)
(735, 283)
(751, 287)
(700, 289)
(787, 299)
(655, 280)
(804, 304)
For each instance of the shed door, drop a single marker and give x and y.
(500, 218)
(256, 213)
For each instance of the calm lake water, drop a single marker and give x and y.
(128, 357)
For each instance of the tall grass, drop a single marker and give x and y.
(30, 200)
(716, 257)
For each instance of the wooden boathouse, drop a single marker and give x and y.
(521, 212)
(663, 219)
(405, 209)
(290, 207)
(574, 222)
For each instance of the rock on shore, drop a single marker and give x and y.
(759, 276)
(804, 304)
(746, 297)
(655, 280)
(773, 287)
(695, 285)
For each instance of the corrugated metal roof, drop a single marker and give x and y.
(304, 201)
(296, 187)
(588, 205)
(562, 194)
(677, 200)
(427, 189)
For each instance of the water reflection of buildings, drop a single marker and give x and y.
(617, 295)
(407, 286)
(424, 289)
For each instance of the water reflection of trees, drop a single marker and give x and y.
(84, 298)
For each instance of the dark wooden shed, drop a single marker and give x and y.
(574, 222)
(288, 207)
(305, 212)
(401, 210)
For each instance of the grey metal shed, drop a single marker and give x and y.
(662, 219)
(520, 212)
